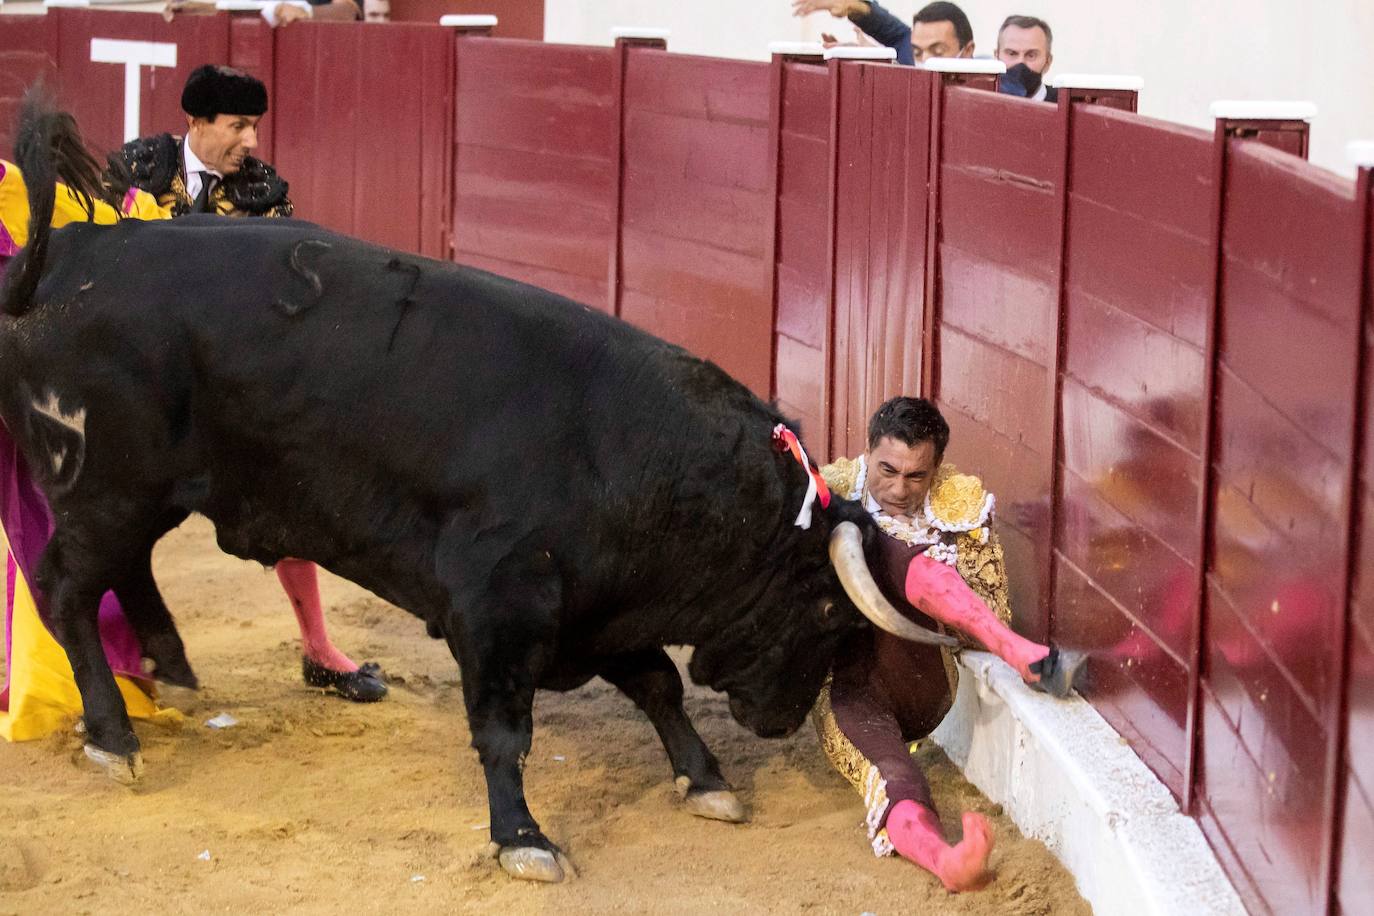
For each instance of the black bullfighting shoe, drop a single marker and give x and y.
(1060, 672)
(366, 685)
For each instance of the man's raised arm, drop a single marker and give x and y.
(871, 19)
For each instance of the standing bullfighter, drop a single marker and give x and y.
(941, 563)
(211, 170)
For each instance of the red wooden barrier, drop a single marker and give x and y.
(534, 166)
(251, 48)
(804, 279)
(883, 161)
(95, 92)
(365, 149)
(57, 46)
(997, 332)
(1274, 606)
(1354, 889)
(28, 50)
(697, 212)
(1138, 297)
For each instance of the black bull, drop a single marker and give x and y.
(557, 494)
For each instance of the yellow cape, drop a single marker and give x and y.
(43, 697)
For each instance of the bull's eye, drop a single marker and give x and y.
(828, 610)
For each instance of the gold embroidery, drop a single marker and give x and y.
(840, 476)
(982, 565)
(958, 500)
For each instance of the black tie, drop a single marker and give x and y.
(202, 202)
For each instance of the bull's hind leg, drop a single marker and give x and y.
(147, 613)
(502, 636)
(74, 585)
(651, 679)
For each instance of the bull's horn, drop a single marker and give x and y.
(847, 556)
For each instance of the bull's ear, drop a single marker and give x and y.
(851, 510)
(847, 510)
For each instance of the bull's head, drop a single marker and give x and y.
(773, 658)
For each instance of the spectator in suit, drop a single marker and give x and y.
(1024, 44)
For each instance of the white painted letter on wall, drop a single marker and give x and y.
(132, 54)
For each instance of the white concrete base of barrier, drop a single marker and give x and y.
(1068, 779)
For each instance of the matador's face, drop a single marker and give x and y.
(223, 141)
(900, 475)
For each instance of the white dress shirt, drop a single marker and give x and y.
(194, 169)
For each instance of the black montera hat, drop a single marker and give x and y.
(212, 90)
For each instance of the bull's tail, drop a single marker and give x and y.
(39, 124)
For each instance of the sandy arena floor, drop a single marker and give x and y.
(316, 805)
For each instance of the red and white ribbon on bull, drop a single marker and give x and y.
(786, 441)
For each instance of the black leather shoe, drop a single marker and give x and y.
(1060, 672)
(366, 685)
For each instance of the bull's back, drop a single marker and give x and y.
(298, 339)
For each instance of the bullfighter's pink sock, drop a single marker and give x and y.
(938, 590)
(915, 833)
(302, 586)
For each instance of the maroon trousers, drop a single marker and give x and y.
(886, 692)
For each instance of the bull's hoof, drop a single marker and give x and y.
(530, 863)
(125, 769)
(366, 685)
(1060, 672)
(716, 804)
(164, 660)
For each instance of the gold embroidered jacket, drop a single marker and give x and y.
(153, 164)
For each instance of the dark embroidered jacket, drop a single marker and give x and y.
(153, 164)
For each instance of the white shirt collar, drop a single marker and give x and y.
(1040, 93)
(193, 168)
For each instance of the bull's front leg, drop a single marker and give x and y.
(502, 727)
(651, 679)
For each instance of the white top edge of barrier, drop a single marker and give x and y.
(1360, 153)
(640, 32)
(799, 48)
(964, 65)
(852, 53)
(1096, 81)
(67, 3)
(1263, 110)
(251, 6)
(477, 21)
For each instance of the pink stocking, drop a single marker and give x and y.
(302, 586)
(940, 592)
(915, 833)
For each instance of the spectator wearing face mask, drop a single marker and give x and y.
(1024, 45)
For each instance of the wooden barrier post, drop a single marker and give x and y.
(1105, 89)
(835, 59)
(1113, 91)
(1282, 125)
(626, 38)
(1361, 155)
(957, 71)
(780, 53)
(478, 25)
